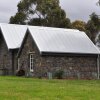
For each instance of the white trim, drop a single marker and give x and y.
(31, 62)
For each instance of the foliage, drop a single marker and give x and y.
(59, 74)
(98, 2)
(96, 20)
(41, 12)
(98, 40)
(20, 73)
(18, 19)
(80, 25)
(49, 13)
(93, 26)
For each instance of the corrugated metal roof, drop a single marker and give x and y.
(49, 39)
(13, 34)
(62, 40)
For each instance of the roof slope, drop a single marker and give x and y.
(13, 34)
(56, 40)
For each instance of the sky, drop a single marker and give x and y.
(75, 9)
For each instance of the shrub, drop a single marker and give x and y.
(59, 74)
(20, 73)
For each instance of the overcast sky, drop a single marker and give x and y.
(75, 9)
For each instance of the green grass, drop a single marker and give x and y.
(16, 88)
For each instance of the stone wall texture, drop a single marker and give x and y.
(78, 67)
(5, 58)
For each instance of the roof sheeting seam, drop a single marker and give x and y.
(62, 40)
(13, 34)
(49, 39)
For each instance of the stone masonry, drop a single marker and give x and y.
(84, 67)
(5, 58)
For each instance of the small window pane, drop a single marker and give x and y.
(31, 62)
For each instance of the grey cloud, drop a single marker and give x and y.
(7, 9)
(79, 9)
(75, 9)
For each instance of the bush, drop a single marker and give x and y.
(59, 74)
(20, 73)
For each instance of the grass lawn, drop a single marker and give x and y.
(16, 88)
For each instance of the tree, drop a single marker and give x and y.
(41, 12)
(98, 3)
(18, 18)
(98, 40)
(93, 26)
(78, 24)
(96, 20)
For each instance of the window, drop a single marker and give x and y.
(31, 62)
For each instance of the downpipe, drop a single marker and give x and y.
(98, 67)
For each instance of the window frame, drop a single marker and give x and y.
(31, 63)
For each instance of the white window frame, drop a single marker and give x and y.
(31, 62)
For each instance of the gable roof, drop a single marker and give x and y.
(56, 40)
(13, 34)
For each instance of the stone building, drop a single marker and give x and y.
(45, 51)
(11, 37)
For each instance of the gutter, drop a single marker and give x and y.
(98, 67)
